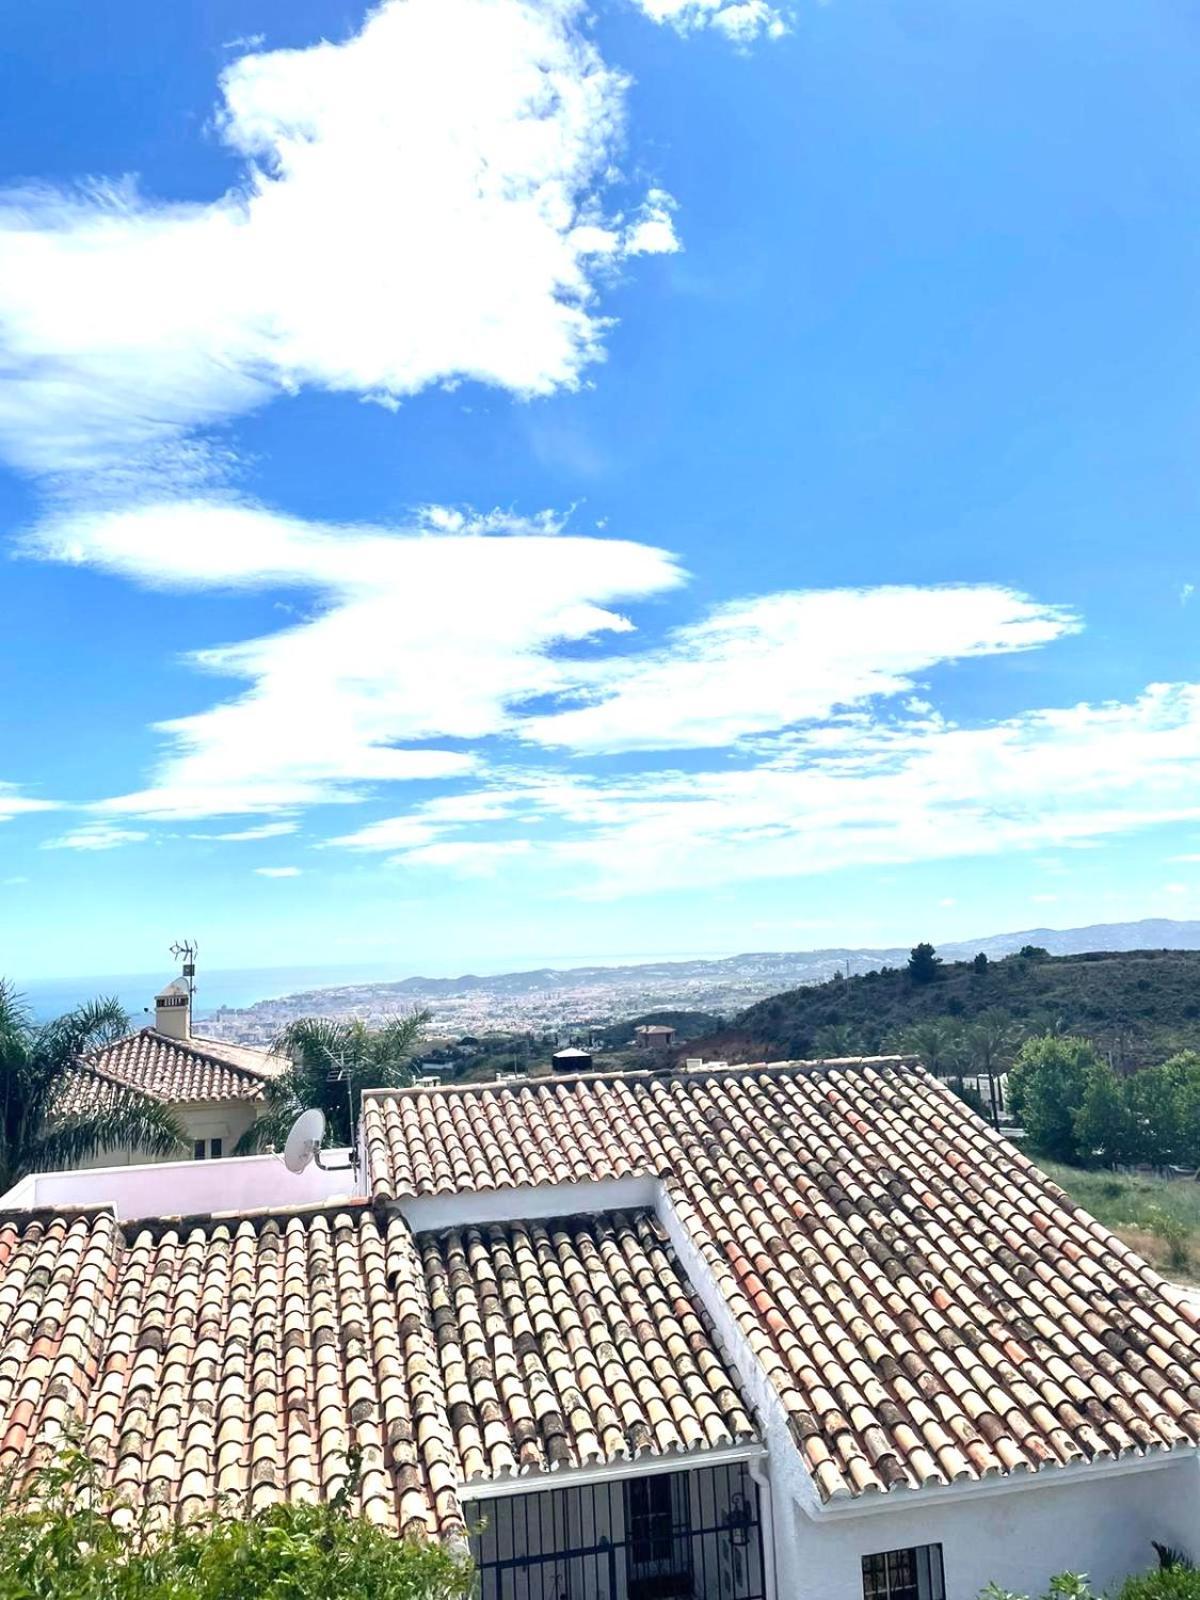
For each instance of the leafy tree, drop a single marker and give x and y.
(980, 963)
(1185, 1069)
(1033, 952)
(331, 1064)
(38, 1062)
(1046, 1089)
(1154, 1105)
(59, 1540)
(1104, 1124)
(923, 963)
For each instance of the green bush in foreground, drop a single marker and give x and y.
(1175, 1583)
(58, 1541)
(1169, 1583)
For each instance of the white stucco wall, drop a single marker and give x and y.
(187, 1188)
(1018, 1538)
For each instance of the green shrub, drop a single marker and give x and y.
(1176, 1235)
(1066, 1586)
(1174, 1583)
(59, 1541)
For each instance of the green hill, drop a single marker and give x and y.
(1138, 1006)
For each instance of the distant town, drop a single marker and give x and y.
(553, 1005)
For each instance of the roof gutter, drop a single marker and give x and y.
(606, 1472)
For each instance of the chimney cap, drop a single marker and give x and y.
(177, 987)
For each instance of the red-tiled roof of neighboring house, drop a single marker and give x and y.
(243, 1359)
(929, 1307)
(175, 1071)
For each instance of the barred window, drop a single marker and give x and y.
(905, 1574)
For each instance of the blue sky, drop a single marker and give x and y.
(497, 480)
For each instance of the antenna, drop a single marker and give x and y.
(185, 952)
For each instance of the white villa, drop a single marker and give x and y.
(810, 1331)
(214, 1089)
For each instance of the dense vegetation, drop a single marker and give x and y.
(1137, 1007)
(59, 1541)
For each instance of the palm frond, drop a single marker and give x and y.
(272, 1128)
(127, 1121)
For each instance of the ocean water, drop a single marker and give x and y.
(49, 997)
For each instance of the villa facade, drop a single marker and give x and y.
(800, 1332)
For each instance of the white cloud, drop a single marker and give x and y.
(268, 830)
(753, 666)
(856, 792)
(434, 633)
(95, 836)
(13, 882)
(15, 804)
(418, 204)
(473, 858)
(277, 872)
(740, 20)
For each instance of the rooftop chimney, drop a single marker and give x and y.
(173, 1010)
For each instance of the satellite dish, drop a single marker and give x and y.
(304, 1141)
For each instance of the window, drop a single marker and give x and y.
(199, 1150)
(207, 1149)
(657, 1526)
(214, 1149)
(905, 1574)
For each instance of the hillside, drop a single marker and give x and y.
(1139, 1006)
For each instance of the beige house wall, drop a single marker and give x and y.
(226, 1120)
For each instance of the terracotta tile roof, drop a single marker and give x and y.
(928, 1305)
(571, 1344)
(174, 1071)
(244, 1357)
(240, 1357)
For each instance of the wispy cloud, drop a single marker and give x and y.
(423, 202)
(267, 830)
(434, 632)
(15, 804)
(757, 665)
(849, 792)
(277, 872)
(96, 836)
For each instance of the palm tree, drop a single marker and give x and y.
(939, 1043)
(43, 1127)
(837, 1039)
(331, 1063)
(991, 1041)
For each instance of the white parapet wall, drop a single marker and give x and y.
(187, 1188)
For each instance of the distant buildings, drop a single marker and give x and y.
(653, 1036)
